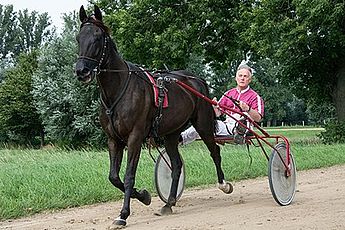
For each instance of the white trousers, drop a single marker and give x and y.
(224, 128)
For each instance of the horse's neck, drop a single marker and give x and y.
(113, 79)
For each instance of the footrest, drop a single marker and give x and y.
(224, 136)
(223, 139)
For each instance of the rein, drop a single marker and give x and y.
(109, 111)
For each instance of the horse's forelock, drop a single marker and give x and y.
(91, 19)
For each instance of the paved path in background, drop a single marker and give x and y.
(294, 129)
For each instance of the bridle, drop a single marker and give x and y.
(99, 62)
(109, 110)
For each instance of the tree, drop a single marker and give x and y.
(32, 30)
(7, 37)
(307, 39)
(275, 95)
(154, 33)
(7, 30)
(22, 31)
(68, 109)
(319, 113)
(19, 119)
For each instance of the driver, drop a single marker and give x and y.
(248, 101)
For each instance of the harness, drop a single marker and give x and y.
(159, 112)
(109, 109)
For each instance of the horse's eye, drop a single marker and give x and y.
(98, 32)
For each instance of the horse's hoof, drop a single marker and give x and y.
(226, 187)
(146, 197)
(166, 210)
(118, 224)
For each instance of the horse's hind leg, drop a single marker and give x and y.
(115, 156)
(171, 146)
(205, 127)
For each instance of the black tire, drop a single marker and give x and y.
(283, 187)
(163, 178)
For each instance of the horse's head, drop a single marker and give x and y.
(92, 40)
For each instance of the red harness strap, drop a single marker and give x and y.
(156, 91)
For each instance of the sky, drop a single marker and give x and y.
(55, 9)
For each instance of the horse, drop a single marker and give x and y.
(128, 112)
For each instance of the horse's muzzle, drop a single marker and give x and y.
(83, 73)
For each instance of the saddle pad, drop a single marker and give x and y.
(156, 90)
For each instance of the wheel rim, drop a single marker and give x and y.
(163, 178)
(283, 187)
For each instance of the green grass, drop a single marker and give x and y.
(32, 181)
(298, 134)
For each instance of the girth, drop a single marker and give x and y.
(159, 112)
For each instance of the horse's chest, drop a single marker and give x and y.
(122, 122)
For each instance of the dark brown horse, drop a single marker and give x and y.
(128, 111)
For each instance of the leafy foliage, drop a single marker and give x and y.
(21, 34)
(319, 112)
(22, 31)
(7, 30)
(334, 132)
(19, 120)
(154, 33)
(307, 39)
(67, 108)
(32, 30)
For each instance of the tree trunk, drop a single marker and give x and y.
(339, 95)
(269, 123)
(42, 137)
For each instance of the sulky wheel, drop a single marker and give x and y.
(163, 177)
(283, 187)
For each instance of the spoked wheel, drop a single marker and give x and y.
(163, 177)
(283, 186)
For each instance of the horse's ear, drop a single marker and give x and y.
(82, 14)
(98, 13)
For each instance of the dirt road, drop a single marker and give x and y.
(319, 204)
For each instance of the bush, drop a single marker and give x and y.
(334, 132)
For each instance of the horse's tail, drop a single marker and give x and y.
(204, 88)
(215, 122)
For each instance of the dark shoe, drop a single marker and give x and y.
(239, 139)
(239, 128)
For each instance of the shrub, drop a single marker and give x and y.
(334, 132)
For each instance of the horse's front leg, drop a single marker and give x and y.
(134, 147)
(115, 156)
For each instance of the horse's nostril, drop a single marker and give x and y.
(85, 70)
(82, 71)
(79, 72)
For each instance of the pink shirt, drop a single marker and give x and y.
(249, 96)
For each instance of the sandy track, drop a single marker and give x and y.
(319, 204)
